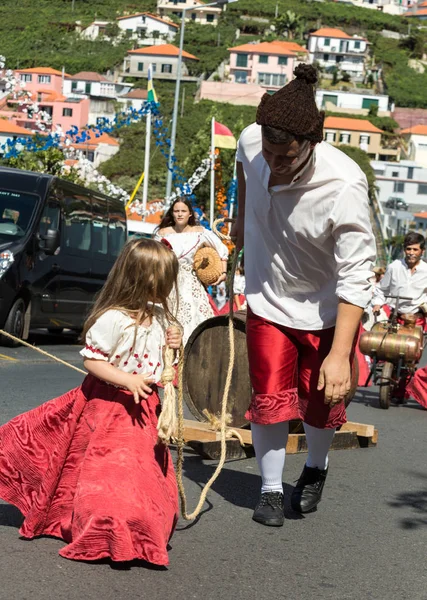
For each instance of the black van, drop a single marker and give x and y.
(58, 242)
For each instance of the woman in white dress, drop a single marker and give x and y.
(179, 227)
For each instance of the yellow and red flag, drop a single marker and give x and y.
(223, 138)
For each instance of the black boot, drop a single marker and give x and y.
(269, 510)
(308, 490)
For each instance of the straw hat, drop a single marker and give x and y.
(378, 270)
(207, 265)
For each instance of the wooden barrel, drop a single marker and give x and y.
(205, 369)
(206, 358)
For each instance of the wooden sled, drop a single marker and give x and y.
(206, 442)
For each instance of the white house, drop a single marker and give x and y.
(208, 15)
(92, 31)
(148, 28)
(90, 83)
(164, 59)
(335, 48)
(405, 180)
(10, 131)
(101, 91)
(100, 149)
(391, 7)
(134, 99)
(357, 100)
(416, 138)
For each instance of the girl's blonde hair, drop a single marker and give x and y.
(144, 273)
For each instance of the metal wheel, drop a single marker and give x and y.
(14, 324)
(386, 384)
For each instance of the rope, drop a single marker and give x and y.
(40, 351)
(215, 425)
(224, 415)
(166, 425)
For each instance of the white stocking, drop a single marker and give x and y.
(270, 442)
(318, 441)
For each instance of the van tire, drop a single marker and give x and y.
(55, 330)
(14, 324)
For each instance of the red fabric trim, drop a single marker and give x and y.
(96, 350)
(267, 409)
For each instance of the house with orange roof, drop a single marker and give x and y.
(44, 86)
(359, 133)
(10, 131)
(417, 13)
(164, 59)
(416, 139)
(204, 15)
(267, 64)
(333, 48)
(98, 149)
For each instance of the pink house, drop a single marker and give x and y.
(45, 87)
(268, 64)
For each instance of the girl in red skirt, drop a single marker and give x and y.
(87, 467)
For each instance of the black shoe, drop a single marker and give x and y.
(308, 490)
(269, 510)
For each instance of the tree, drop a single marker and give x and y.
(346, 77)
(373, 110)
(287, 23)
(334, 75)
(46, 161)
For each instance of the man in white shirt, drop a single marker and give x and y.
(304, 219)
(406, 278)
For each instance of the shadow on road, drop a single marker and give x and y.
(414, 501)
(10, 516)
(237, 487)
(41, 337)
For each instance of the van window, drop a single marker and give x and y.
(16, 213)
(50, 218)
(116, 229)
(77, 224)
(99, 226)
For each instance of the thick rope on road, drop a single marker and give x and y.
(40, 351)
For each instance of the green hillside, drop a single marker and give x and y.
(43, 33)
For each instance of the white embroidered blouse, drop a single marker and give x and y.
(186, 244)
(116, 339)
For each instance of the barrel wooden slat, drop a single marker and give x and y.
(205, 370)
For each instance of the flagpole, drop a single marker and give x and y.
(212, 201)
(147, 142)
(146, 160)
(233, 199)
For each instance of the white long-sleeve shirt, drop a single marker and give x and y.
(399, 280)
(309, 243)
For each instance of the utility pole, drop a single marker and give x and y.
(182, 101)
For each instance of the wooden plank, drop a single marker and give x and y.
(359, 428)
(206, 442)
(197, 430)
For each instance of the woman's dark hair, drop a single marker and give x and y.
(168, 220)
(412, 238)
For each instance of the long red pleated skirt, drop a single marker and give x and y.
(86, 468)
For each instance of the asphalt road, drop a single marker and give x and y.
(367, 540)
